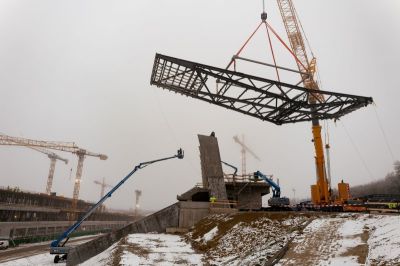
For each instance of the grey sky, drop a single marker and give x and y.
(80, 70)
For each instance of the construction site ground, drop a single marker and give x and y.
(35, 254)
(257, 238)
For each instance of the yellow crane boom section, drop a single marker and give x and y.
(321, 191)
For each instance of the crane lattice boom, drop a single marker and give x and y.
(296, 40)
(321, 191)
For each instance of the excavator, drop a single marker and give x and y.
(276, 201)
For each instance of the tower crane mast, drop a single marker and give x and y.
(103, 185)
(243, 151)
(53, 157)
(321, 192)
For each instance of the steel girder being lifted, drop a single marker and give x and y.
(265, 99)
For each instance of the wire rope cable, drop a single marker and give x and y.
(357, 151)
(174, 137)
(384, 134)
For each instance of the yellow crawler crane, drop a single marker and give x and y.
(321, 191)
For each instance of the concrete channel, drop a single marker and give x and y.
(177, 217)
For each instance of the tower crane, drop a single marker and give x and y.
(60, 146)
(103, 185)
(53, 158)
(243, 151)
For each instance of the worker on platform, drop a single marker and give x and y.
(213, 199)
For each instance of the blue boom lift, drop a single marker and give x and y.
(276, 201)
(58, 246)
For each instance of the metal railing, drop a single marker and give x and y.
(229, 178)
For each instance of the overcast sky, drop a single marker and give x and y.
(80, 71)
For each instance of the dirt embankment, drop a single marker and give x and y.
(251, 237)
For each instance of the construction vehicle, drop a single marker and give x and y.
(243, 151)
(60, 146)
(52, 156)
(321, 192)
(58, 247)
(276, 201)
(233, 167)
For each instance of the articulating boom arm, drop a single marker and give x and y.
(276, 189)
(57, 248)
(231, 166)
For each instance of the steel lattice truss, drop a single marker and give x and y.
(265, 99)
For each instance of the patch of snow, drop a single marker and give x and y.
(384, 240)
(159, 249)
(340, 261)
(129, 258)
(42, 259)
(352, 227)
(150, 249)
(211, 234)
(315, 225)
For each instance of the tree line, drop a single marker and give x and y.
(388, 185)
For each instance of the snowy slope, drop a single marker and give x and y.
(244, 238)
(347, 239)
(253, 238)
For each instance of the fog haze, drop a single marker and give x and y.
(80, 71)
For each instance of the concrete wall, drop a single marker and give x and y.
(211, 168)
(250, 198)
(156, 222)
(191, 212)
(25, 230)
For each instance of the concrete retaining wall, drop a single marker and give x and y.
(157, 222)
(211, 167)
(191, 212)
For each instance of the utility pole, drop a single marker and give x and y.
(138, 193)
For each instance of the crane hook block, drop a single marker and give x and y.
(264, 16)
(180, 154)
